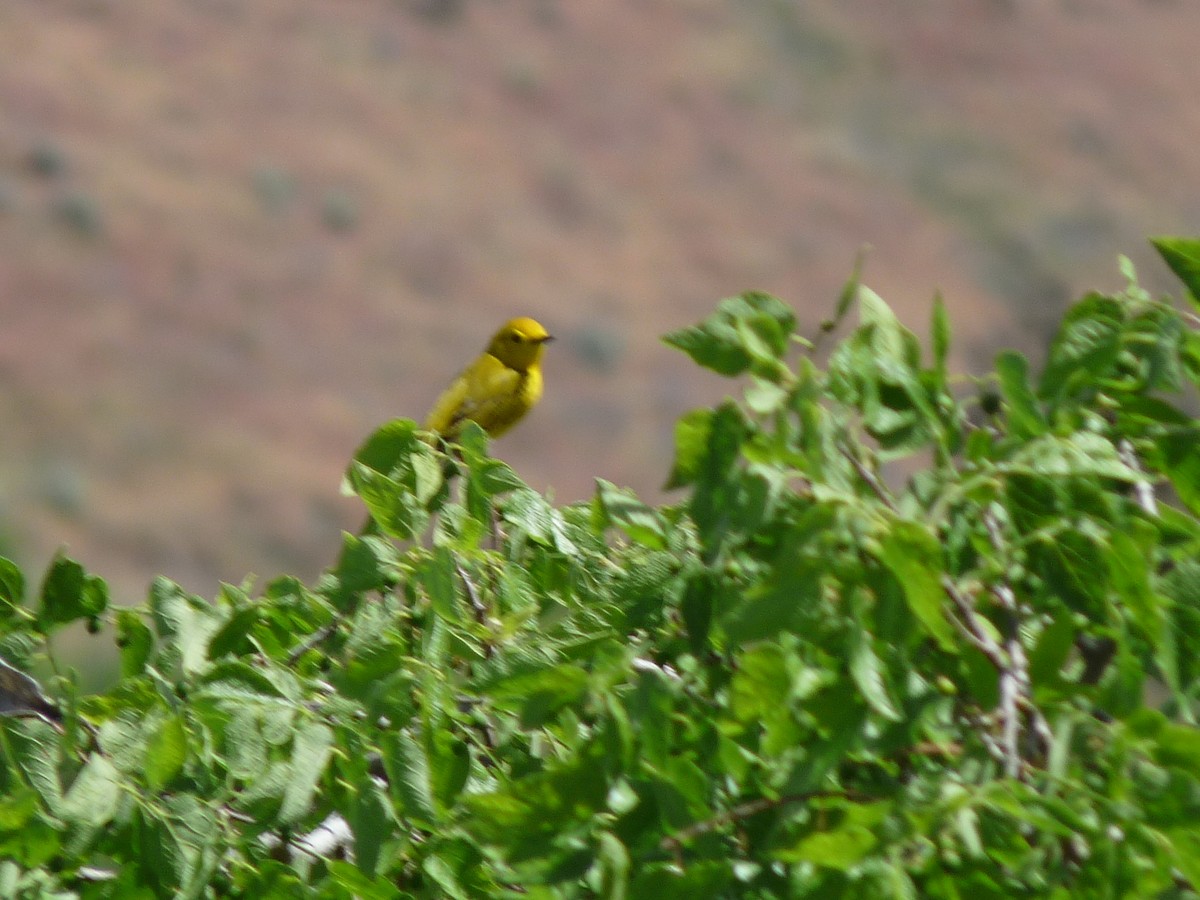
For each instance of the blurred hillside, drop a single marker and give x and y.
(236, 236)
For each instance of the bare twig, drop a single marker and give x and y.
(472, 593)
(871, 480)
(972, 624)
(319, 636)
(674, 842)
(1016, 687)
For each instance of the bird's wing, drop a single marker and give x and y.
(483, 393)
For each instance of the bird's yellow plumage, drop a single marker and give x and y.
(499, 387)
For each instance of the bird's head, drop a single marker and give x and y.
(519, 344)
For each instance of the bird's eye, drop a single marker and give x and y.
(515, 338)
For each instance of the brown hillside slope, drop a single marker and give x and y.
(235, 236)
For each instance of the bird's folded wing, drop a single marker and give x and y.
(483, 393)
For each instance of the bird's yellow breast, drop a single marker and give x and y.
(488, 393)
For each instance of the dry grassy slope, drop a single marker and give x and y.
(182, 389)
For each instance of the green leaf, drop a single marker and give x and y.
(367, 563)
(452, 767)
(1130, 567)
(1083, 454)
(781, 603)
(1183, 257)
(392, 507)
(761, 683)
(613, 857)
(1179, 450)
(1179, 746)
(624, 510)
(691, 443)
(91, 801)
(1085, 347)
(166, 752)
(188, 621)
(409, 776)
(1050, 652)
(310, 755)
(231, 637)
(750, 329)
(1024, 417)
(841, 847)
(941, 341)
(914, 556)
(867, 672)
(372, 822)
(438, 576)
(12, 589)
(538, 692)
(69, 593)
(17, 808)
(388, 446)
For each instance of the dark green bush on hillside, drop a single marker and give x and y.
(902, 635)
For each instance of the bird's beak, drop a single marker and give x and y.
(547, 339)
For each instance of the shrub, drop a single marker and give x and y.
(807, 677)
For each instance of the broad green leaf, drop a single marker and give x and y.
(1130, 567)
(12, 589)
(914, 556)
(781, 603)
(691, 442)
(752, 328)
(91, 801)
(231, 636)
(538, 692)
(395, 509)
(528, 512)
(867, 672)
(1024, 417)
(613, 857)
(387, 446)
(409, 777)
(1185, 841)
(372, 823)
(1085, 347)
(840, 848)
(438, 576)
(761, 683)
(1183, 257)
(624, 510)
(451, 768)
(310, 754)
(166, 752)
(187, 620)
(70, 593)
(367, 563)
(1179, 450)
(1051, 650)
(1179, 745)
(31, 747)
(1083, 454)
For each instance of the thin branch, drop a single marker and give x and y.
(976, 631)
(750, 808)
(319, 636)
(871, 480)
(472, 593)
(1143, 490)
(1016, 687)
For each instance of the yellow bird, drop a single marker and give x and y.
(499, 387)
